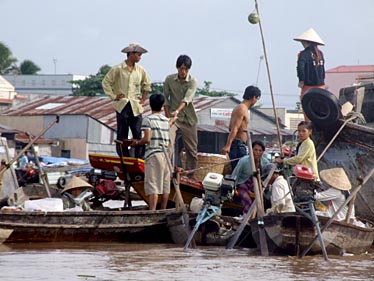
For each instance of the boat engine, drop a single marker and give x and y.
(218, 189)
(303, 183)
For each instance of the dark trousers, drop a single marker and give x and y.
(126, 120)
(238, 149)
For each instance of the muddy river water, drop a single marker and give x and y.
(114, 261)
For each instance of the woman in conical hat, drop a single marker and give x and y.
(336, 194)
(74, 192)
(310, 63)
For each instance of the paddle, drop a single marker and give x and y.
(258, 196)
(354, 192)
(248, 215)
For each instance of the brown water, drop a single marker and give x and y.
(51, 261)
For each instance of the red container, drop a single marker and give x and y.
(303, 172)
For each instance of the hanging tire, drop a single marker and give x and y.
(63, 181)
(321, 107)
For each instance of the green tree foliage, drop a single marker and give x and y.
(91, 86)
(28, 67)
(7, 61)
(205, 91)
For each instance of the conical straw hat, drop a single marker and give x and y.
(337, 178)
(310, 35)
(76, 182)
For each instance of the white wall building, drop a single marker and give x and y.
(39, 84)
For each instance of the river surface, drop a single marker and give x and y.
(115, 261)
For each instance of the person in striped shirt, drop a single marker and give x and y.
(156, 136)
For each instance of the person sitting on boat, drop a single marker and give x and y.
(281, 199)
(75, 193)
(244, 174)
(156, 138)
(336, 194)
(305, 151)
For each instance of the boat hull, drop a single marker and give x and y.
(93, 226)
(353, 150)
(290, 234)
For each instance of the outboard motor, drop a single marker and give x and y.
(217, 188)
(302, 183)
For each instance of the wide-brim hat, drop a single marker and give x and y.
(76, 182)
(134, 48)
(311, 36)
(337, 178)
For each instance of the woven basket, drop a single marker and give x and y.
(209, 160)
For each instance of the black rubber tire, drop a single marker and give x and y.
(321, 107)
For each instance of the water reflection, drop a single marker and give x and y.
(94, 261)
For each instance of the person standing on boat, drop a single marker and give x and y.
(305, 151)
(75, 193)
(128, 84)
(236, 144)
(179, 92)
(156, 136)
(281, 199)
(244, 174)
(310, 63)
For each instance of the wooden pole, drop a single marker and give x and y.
(41, 172)
(8, 165)
(270, 83)
(126, 179)
(350, 197)
(179, 204)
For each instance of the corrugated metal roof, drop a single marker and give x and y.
(98, 108)
(101, 109)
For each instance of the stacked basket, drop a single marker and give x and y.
(211, 162)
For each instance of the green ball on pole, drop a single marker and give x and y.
(253, 18)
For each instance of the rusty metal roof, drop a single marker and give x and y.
(351, 68)
(98, 108)
(101, 109)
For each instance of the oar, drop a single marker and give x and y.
(354, 192)
(248, 215)
(259, 205)
(180, 203)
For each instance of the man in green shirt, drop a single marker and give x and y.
(127, 84)
(179, 91)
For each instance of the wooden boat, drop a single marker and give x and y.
(353, 147)
(107, 226)
(290, 234)
(135, 168)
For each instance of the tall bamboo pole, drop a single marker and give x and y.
(269, 77)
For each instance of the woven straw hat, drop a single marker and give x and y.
(76, 182)
(134, 48)
(311, 36)
(337, 178)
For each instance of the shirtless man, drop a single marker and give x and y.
(236, 144)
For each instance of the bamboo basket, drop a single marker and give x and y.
(207, 160)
